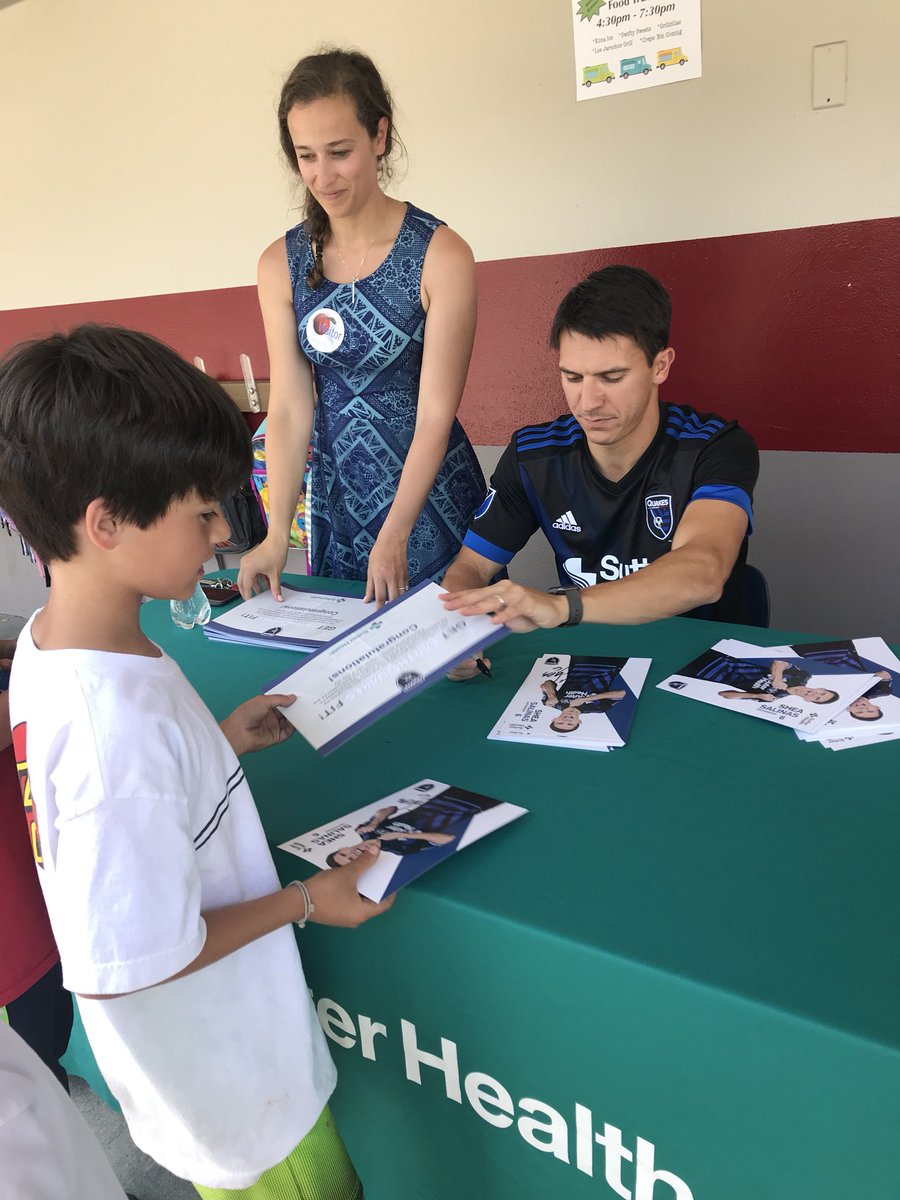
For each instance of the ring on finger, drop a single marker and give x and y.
(501, 602)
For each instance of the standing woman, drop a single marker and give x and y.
(369, 311)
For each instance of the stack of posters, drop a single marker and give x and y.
(875, 716)
(788, 685)
(302, 621)
(415, 828)
(379, 664)
(575, 700)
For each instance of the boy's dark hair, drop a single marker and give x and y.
(109, 413)
(617, 301)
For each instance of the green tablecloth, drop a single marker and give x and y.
(688, 947)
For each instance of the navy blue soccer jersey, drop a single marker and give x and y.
(844, 654)
(599, 530)
(588, 677)
(745, 675)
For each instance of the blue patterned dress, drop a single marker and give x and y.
(367, 356)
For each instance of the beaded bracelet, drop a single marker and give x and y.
(310, 908)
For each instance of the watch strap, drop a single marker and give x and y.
(576, 604)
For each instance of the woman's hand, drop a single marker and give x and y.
(261, 567)
(388, 574)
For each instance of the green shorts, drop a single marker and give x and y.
(319, 1168)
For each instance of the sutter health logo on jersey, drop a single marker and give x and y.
(567, 521)
(610, 568)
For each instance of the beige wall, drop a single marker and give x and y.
(140, 156)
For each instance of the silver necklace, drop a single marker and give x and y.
(355, 280)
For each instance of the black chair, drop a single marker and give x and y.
(756, 597)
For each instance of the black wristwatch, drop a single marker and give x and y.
(576, 606)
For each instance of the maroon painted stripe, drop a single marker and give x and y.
(794, 332)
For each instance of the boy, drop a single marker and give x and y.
(160, 886)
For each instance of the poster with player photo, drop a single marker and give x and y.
(582, 702)
(786, 689)
(415, 829)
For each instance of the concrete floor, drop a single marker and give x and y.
(138, 1174)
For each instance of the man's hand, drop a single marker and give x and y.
(521, 609)
(468, 668)
(257, 724)
(334, 894)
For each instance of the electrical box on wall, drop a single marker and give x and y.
(829, 75)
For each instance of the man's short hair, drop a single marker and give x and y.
(109, 413)
(617, 301)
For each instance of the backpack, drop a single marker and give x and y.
(246, 521)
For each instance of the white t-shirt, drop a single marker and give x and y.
(47, 1151)
(145, 820)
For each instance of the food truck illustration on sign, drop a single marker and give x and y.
(598, 74)
(667, 58)
(634, 66)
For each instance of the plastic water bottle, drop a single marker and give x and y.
(195, 611)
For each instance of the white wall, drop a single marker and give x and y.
(140, 150)
(140, 157)
(22, 587)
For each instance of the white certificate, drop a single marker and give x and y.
(301, 621)
(379, 664)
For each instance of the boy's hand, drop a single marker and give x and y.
(257, 723)
(335, 896)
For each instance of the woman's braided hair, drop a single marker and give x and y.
(335, 73)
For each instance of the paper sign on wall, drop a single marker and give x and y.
(626, 45)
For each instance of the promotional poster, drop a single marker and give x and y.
(578, 701)
(415, 829)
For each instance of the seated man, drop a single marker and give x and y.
(647, 505)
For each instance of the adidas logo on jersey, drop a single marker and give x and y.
(567, 521)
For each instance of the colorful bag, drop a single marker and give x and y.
(260, 480)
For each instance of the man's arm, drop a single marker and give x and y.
(421, 835)
(375, 821)
(469, 570)
(617, 695)
(747, 696)
(704, 550)
(777, 671)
